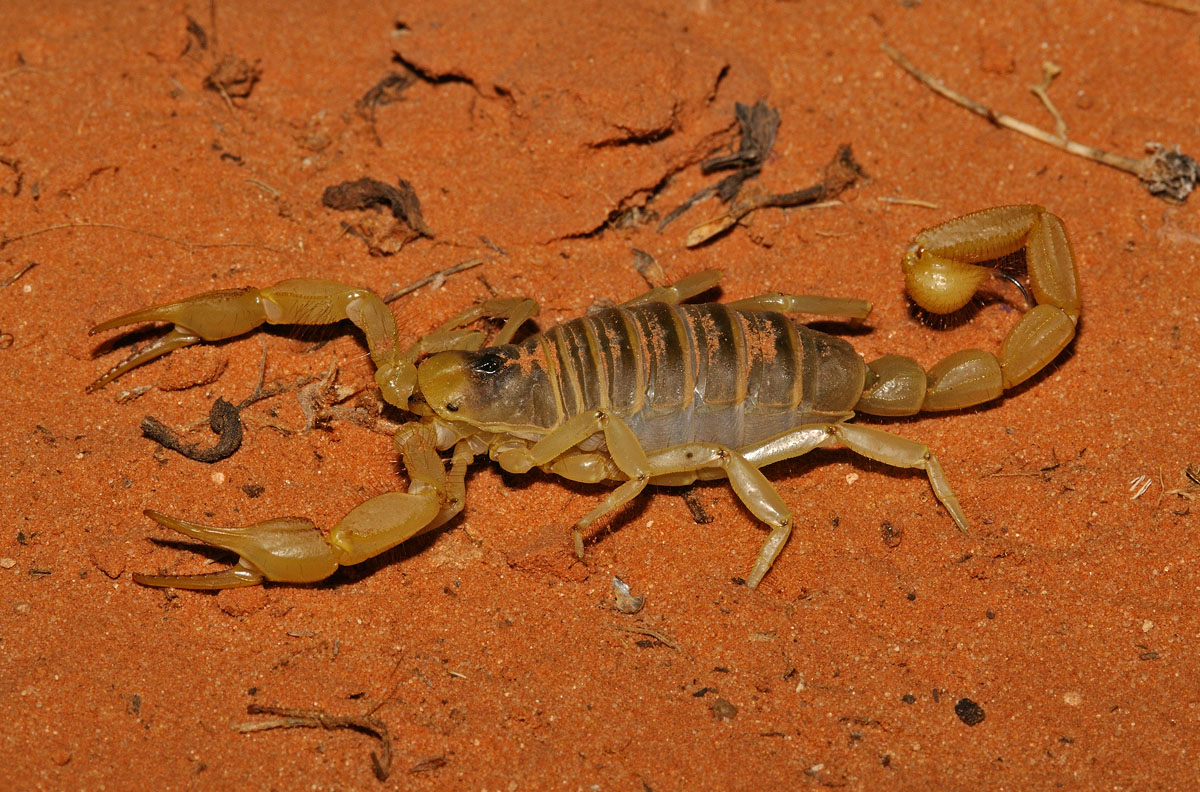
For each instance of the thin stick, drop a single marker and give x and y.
(313, 718)
(1166, 173)
(412, 287)
(7, 240)
(908, 202)
(1041, 91)
(638, 629)
(1117, 161)
(11, 279)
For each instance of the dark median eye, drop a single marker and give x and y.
(488, 364)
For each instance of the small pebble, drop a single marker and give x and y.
(723, 710)
(8, 563)
(969, 712)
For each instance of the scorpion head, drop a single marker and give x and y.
(496, 387)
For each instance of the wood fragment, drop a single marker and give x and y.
(759, 124)
(288, 718)
(11, 279)
(225, 422)
(840, 173)
(1165, 172)
(440, 274)
(639, 629)
(699, 515)
(367, 193)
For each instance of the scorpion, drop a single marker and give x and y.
(653, 391)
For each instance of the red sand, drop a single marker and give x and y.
(496, 662)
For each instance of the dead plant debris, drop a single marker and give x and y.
(233, 77)
(1190, 488)
(434, 278)
(11, 279)
(367, 193)
(1165, 172)
(759, 124)
(389, 90)
(288, 718)
(223, 418)
(692, 501)
(840, 173)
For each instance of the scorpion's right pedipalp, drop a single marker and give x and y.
(294, 550)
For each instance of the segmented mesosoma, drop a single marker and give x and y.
(655, 391)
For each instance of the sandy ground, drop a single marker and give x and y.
(549, 143)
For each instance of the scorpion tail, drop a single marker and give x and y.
(942, 273)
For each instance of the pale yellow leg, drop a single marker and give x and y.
(841, 307)
(683, 289)
(760, 496)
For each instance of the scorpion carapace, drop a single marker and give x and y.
(651, 392)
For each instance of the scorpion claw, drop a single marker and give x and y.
(240, 575)
(286, 550)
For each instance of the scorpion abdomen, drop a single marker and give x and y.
(707, 373)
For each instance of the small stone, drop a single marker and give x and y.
(969, 712)
(723, 710)
(8, 563)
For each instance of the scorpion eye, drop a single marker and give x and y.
(488, 364)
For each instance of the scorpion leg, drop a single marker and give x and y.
(451, 335)
(683, 289)
(293, 550)
(757, 493)
(804, 304)
(623, 447)
(748, 482)
(901, 452)
(942, 273)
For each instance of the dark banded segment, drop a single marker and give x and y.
(773, 362)
(701, 372)
(718, 349)
(663, 346)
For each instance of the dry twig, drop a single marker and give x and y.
(1164, 172)
(432, 277)
(841, 173)
(288, 718)
(6, 240)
